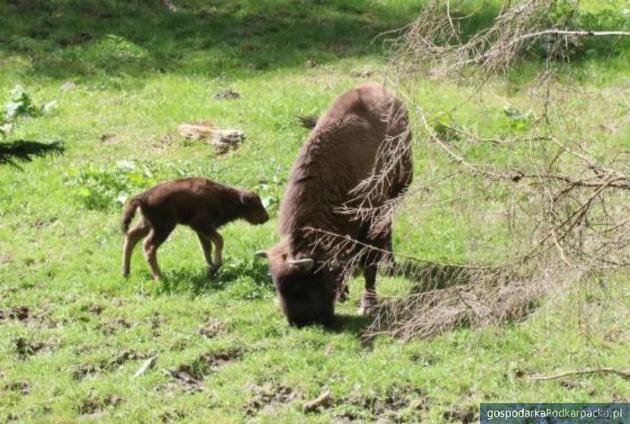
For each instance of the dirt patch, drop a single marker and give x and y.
(81, 371)
(156, 321)
(189, 376)
(192, 375)
(41, 223)
(124, 356)
(20, 313)
(18, 386)
(217, 359)
(172, 416)
(26, 348)
(267, 397)
(212, 328)
(93, 308)
(396, 405)
(12, 418)
(112, 327)
(464, 415)
(95, 405)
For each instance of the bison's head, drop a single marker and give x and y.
(254, 210)
(306, 291)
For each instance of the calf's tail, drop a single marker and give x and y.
(129, 212)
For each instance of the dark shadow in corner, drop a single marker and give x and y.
(25, 150)
(72, 38)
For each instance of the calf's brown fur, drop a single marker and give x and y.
(196, 202)
(344, 148)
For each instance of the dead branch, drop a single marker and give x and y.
(623, 373)
(566, 205)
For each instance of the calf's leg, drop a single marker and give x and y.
(208, 236)
(206, 246)
(157, 236)
(132, 237)
(218, 247)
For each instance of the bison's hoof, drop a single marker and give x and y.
(368, 304)
(366, 311)
(342, 295)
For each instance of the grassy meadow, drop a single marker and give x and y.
(73, 331)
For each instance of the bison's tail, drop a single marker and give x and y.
(129, 212)
(308, 121)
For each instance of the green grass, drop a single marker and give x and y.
(139, 72)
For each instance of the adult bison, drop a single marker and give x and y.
(363, 137)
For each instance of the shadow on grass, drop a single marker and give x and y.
(69, 38)
(430, 276)
(355, 325)
(13, 152)
(227, 38)
(248, 279)
(194, 281)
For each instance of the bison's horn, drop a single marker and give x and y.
(261, 254)
(303, 264)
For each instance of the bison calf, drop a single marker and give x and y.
(197, 202)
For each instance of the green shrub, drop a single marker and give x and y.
(99, 188)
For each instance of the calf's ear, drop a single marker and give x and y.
(249, 198)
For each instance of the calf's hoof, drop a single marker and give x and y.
(212, 270)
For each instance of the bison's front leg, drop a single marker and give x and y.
(343, 291)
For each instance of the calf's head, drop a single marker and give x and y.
(306, 291)
(253, 210)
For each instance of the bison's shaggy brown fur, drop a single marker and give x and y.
(353, 142)
(197, 202)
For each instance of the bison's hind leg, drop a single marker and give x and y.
(132, 237)
(370, 262)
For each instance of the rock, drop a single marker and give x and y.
(222, 138)
(68, 85)
(362, 73)
(227, 94)
(311, 63)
